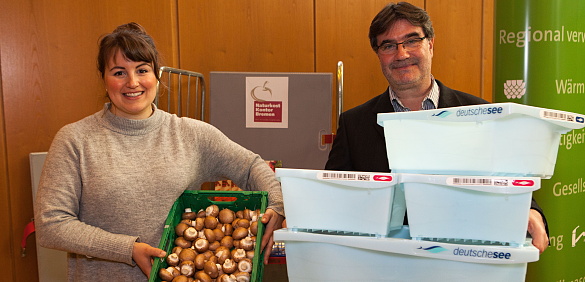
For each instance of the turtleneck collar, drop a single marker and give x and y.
(130, 126)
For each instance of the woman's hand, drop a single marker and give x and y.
(142, 254)
(272, 221)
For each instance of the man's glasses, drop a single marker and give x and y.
(391, 48)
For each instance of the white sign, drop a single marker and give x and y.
(266, 102)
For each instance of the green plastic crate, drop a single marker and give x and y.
(201, 199)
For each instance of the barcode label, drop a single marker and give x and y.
(477, 181)
(355, 176)
(557, 115)
(339, 176)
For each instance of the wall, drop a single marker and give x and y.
(325, 32)
(48, 76)
(49, 79)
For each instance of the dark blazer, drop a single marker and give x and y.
(359, 144)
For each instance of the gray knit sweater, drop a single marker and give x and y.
(109, 181)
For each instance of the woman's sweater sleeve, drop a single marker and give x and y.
(57, 209)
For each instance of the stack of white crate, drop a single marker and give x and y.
(466, 176)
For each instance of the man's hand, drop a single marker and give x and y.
(142, 254)
(537, 230)
(272, 221)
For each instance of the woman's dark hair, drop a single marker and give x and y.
(394, 12)
(134, 43)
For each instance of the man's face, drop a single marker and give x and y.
(406, 69)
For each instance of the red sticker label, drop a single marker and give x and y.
(382, 178)
(523, 182)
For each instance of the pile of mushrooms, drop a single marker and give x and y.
(213, 245)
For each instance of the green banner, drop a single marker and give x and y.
(539, 60)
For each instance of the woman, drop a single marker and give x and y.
(110, 179)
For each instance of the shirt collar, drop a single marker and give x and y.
(430, 102)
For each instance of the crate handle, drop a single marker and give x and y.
(222, 199)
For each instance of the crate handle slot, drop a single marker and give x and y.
(225, 200)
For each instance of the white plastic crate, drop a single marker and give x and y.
(363, 202)
(493, 139)
(319, 257)
(491, 208)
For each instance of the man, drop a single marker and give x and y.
(402, 36)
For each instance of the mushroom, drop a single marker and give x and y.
(187, 254)
(222, 253)
(227, 241)
(254, 228)
(190, 233)
(208, 254)
(246, 214)
(182, 242)
(254, 214)
(247, 244)
(229, 266)
(181, 278)
(226, 216)
(200, 261)
(180, 228)
(172, 260)
(187, 221)
(235, 223)
(226, 278)
(177, 250)
(199, 223)
(201, 245)
(243, 223)
(213, 258)
(209, 235)
(242, 276)
(238, 254)
(218, 233)
(240, 233)
(212, 210)
(219, 269)
(211, 269)
(188, 268)
(245, 265)
(211, 222)
(213, 246)
(202, 276)
(201, 213)
(167, 274)
(227, 229)
(188, 214)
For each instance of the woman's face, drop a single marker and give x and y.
(131, 87)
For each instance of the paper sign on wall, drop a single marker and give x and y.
(267, 102)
